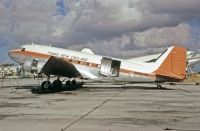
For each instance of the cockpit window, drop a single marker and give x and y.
(22, 49)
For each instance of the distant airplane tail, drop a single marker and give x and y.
(172, 63)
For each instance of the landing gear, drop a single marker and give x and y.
(71, 85)
(159, 86)
(74, 82)
(48, 86)
(45, 85)
(68, 85)
(57, 84)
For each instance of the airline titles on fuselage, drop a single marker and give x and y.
(67, 56)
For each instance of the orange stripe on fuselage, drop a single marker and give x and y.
(32, 54)
(89, 64)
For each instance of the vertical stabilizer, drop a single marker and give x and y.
(172, 63)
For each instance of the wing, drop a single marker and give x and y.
(60, 67)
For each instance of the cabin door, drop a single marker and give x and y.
(109, 67)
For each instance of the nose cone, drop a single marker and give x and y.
(11, 54)
(14, 56)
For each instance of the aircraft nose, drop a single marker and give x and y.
(11, 54)
(14, 56)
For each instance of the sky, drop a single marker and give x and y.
(119, 28)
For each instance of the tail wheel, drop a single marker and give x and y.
(57, 84)
(45, 85)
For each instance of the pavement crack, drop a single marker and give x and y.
(92, 110)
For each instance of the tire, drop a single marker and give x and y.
(57, 84)
(159, 86)
(73, 82)
(71, 85)
(45, 85)
(68, 83)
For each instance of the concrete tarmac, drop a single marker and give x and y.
(138, 107)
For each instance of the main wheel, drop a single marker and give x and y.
(74, 82)
(74, 85)
(68, 83)
(45, 85)
(159, 86)
(71, 85)
(57, 84)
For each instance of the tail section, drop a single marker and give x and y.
(172, 63)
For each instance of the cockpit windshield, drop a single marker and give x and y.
(22, 49)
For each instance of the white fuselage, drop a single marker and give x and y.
(89, 65)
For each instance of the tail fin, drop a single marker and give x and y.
(172, 63)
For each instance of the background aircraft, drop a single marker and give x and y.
(169, 66)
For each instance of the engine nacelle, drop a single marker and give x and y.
(31, 66)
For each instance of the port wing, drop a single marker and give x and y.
(60, 67)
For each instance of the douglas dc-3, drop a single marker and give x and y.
(170, 66)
